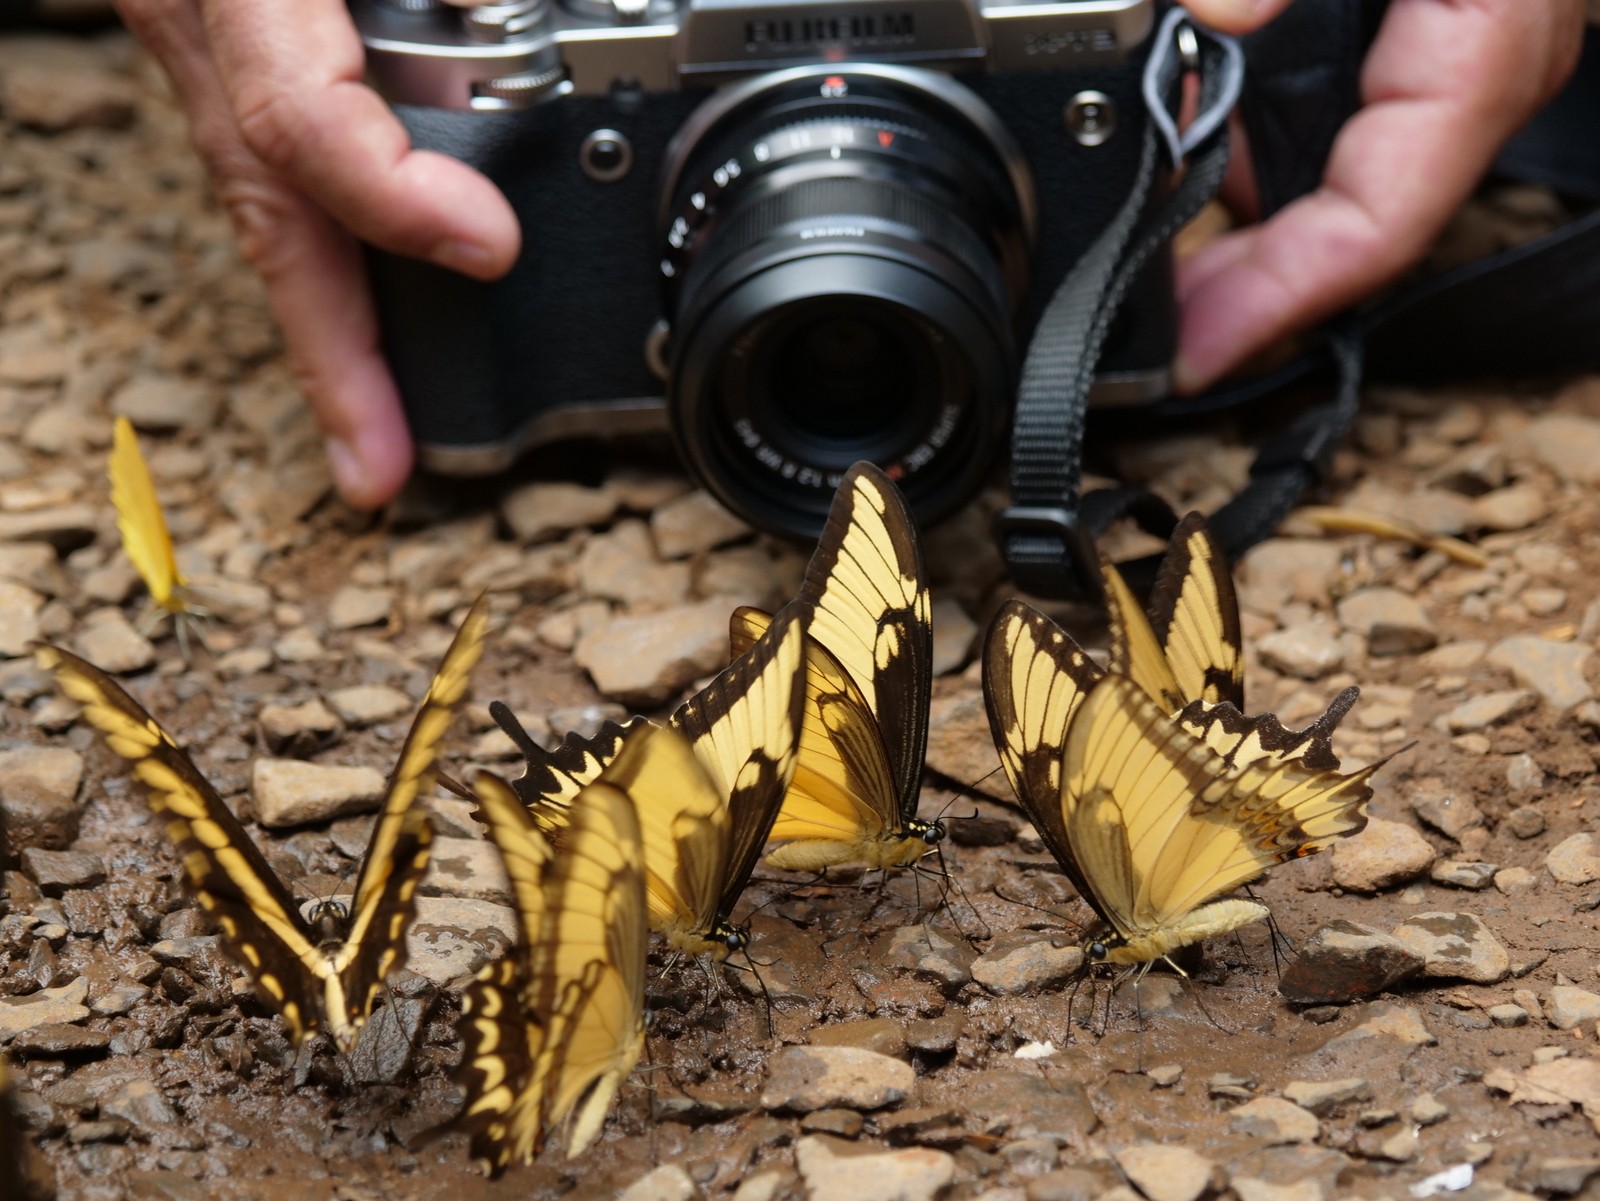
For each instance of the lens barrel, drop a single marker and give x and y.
(844, 253)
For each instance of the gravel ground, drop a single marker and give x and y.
(1438, 1016)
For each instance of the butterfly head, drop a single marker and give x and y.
(1100, 946)
(329, 920)
(729, 939)
(932, 833)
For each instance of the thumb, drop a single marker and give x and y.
(1235, 16)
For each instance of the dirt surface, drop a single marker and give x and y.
(145, 1070)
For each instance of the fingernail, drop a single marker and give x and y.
(349, 475)
(458, 254)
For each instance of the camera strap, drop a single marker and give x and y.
(1533, 309)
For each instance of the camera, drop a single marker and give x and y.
(797, 234)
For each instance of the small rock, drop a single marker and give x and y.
(1025, 966)
(65, 527)
(641, 491)
(914, 1174)
(1513, 508)
(801, 1079)
(669, 1182)
(1512, 880)
(646, 659)
(953, 635)
(541, 512)
(165, 402)
(1562, 1176)
(1165, 1075)
(746, 575)
(1568, 1007)
(48, 1006)
(354, 606)
(1543, 602)
(1384, 854)
(1249, 1188)
(1164, 1172)
(140, 1104)
(621, 565)
(1490, 709)
(1445, 810)
(1307, 650)
(59, 1042)
(1455, 946)
(846, 1123)
(466, 867)
(1475, 877)
(1428, 1110)
(1392, 622)
(33, 564)
(19, 617)
(288, 792)
(883, 1035)
(1508, 1015)
(1400, 1147)
(451, 939)
(1346, 961)
(1401, 1023)
(299, 731)
(1553, 669)
(36, 817)
(1322, 1097)
(1281, 570)
(368, 704)
(1525, 822)
(57, 871)
(763, 1186)
(1568, 444)
(56, 769)
(60, 97)
(1573, 860)
(935, 1036)
(1524, 774)
(114, 646)
(960, 745)
(694, 522)
(1275, 1120)
(927, 953)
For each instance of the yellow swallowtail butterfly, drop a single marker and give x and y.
(869, 674)
(330, 967)
(706, 800)
(1149, 823)
(553, 1028)
(143, 527)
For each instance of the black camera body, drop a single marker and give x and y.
(800, 234)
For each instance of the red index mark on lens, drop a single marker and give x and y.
(885, 138)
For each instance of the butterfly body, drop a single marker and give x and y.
(321, 972)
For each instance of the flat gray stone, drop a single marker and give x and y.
(694, 522)
(1323, 1097)
(166, 402)
(65, 527)
(37, 817)
(621, 565)
(466, 867)
(1307, 650)
(368, 704)
(914, 1174)
(113, 645)
(355, 605)
(1391, 621)
(541, 512)
(57, 871)
(669, 1182)
(1025, 965)
(1382, 855)
(1490, 709)
(48, 1006)
(647, 659)
(1574, 860)
(1455, 946)
(925, 952)
(1167, 1172)
(56, 769)
(19, 616)
(1568, 1007)
(1276, 1121)
(450, 939)
(1568, 444)
(1555, 670)
(802, 1079)
(289, 793)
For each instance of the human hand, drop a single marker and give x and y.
(1445, 84)
(306, 159)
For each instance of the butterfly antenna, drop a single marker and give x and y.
(949, 880)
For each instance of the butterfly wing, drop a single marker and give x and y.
(843, 793)
(1136, 652)
(866, 602)
(744, 728)
(139, 518)
(260, 924)
(553, 778)
(1194, 611)
(1035, 678)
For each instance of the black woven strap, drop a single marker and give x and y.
(1047, 545)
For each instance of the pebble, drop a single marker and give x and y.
(540, 512)
(48, 1006)
(669, 1182)
(925, 952)
(467, 867)
(960, 746)
(745, 575)
(1307, 650)
(641, 491)
(1511, 880)
(1428, 1110)
(1574, 860)
(1455, 946)
(52, 1041)
(1563, 1175)
(1555, 670)
(1490, 709)
(1281, 570)
(166, 402)
(1444, 809)
(935, 1036)
(1453, 873)
(763, 1186)
(802, 1079)
(139, 1103)
(1512, 508)
(1525, 822)
(59, 97)
(65, 527)
(953, 635)
(883, 1035)
(1392, 622)
(1568, 1007)
(450, 939)
(299, 731)
(846, 1123)
(1165, 1075)
(694, 522)
(1567, 444)
(1384, 854)
(299, 645)
(1524, 774)
(288, 792)
(1508, 1015)
(1348, 961)
(563, 628)
(368, 704)
(56, 769)
(1026, 964)
(1391, 1020)
(57, 871)
(621, 565)
(1323, 1097)
(647, 659)
(914, 1174)
(36, 817)
(33, 564)
(355, 605)
(1276, 1121)
(113, 645)
(1249, 1188)
(19, 617)
(1165, 1172)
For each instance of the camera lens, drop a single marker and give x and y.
(844, 253)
